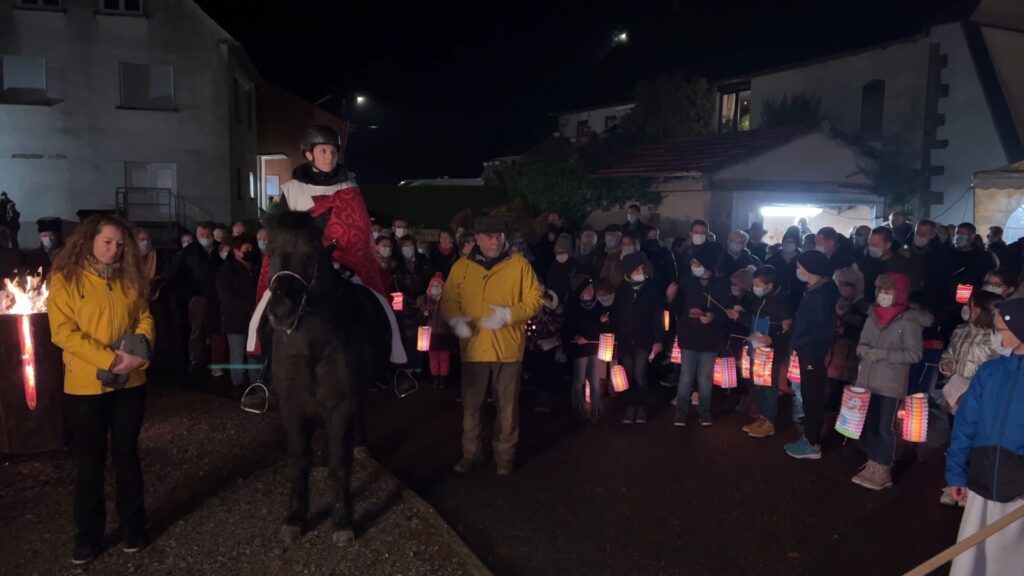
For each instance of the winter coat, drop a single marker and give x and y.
(728, 264)
(431, 314)
(592, 263)
(772, 310)
(559, 277)
(193, 273)
(413, 277)
(443, 262)
(236, 289)
(814, 325)
(843, 362)
(662, 261)
(971, 266)
(470, 292)
(87, 315)
(791, 285)
(901, 342)
(637, 315)
(872, 268)
(692, 333)
(582, 322)
(969, 347)
(933, 268)
(986, 448)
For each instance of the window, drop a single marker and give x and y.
(147, 86)
(131, 7)
(610, 122)
(252, 186)
(582, 128)
(41, 4)
(734, 109)
(22, 78)
(872, 109)
(273, 183)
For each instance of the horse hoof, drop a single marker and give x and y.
(343, 538)
(290, 533)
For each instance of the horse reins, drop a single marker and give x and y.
(305, 291)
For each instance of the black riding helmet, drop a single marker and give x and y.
(316, 135)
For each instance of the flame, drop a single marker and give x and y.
(28, 300)
(28, 361)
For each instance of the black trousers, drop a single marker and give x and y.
(91, 419)
(813, 391)
(634, 360)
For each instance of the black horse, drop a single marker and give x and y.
(331, 337)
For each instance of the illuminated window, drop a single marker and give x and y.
(734, 108)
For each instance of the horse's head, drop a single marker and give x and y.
(297, 258)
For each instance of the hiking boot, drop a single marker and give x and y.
(763, 429)
(466, 465)
(630, 416)
(505, 468)
(83, 554)
(705, 419)
(680, 419)
(803, 450)
(874, 477)
(641, 415)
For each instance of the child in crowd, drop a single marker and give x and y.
(852, 311)
(985, 461)
(580, 333)
(442, 341)
(743, 299)
(971, 345)
(889, 344)
(637, 322)
(1002, 282)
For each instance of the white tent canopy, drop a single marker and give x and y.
(999, 200)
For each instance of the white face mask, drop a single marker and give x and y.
(399, 232)
(144, 246)
(697, 271)
(185, 244)
(789, 247)
(205, 242)
(992, 288)
(562, 258)
(860, 241)
(46, 241)
(997, 342)
(262, 244)
(638, 278)
(224, 255)
(628, 249)
(697, 239)
(884, 300)
(376, 235)
(760, 292)
(606, 301)
(408, 252)
(921, 241)
(436, 291)
(384, 252)
(965, 313)
(735, 247)
(875, 252)
(631, 218)
(960, 241)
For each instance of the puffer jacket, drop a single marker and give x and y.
(969, 347)
(87, 315)
(472, 289)
(986, 449)
(901, 341)
(843, 363)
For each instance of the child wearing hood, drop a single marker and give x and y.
(584, 322)
(889, 344)
(442, 341)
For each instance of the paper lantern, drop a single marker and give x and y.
(963, 293)
(794, 369)
(853, 411)
(586, 391)
(725, 373)
(915, 418)
(762, 367)
(397, 301)
(745, 364)
(619, 381)
(677, 354)
(423, 338)
(606, 347)
(666, 318)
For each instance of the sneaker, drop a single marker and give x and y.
(641, 415)
(746, 429)
(680, 420)
(763, 429)
(630, 416)
(705, 419)
(802, 450)
(874, 477)
(947, 498)
(216, 372)
(667, 384)
(83, 554)
(466, 465)
(133, 544)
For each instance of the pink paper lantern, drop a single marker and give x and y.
(606, 347)
(725, 373)
(853, 411)
(963, 293)
(915, 418)
(586, 391)
(762, 367)
(677, 354)
(794, 369)
(397, 301)
(423, 338)
(745, 364)
(619, 381)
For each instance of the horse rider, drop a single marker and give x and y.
(320, 185)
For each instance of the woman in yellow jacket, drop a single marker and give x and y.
(98, 297)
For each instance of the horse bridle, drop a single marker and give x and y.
(305, 291)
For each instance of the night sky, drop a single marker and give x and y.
(453, 83)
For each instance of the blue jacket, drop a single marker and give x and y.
(814, 326)
(986, 451)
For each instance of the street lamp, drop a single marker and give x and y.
(620, 38)
(360, 100)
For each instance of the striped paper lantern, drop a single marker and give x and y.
(853, 411)
(794, 369)
(725, 373)
(963, 293)
(606, 347)
(745, 364)
(677, 354)
(915, 418)
(423, 338)
(619, 381)
(586, 391)
(397, 301)
(762, 367)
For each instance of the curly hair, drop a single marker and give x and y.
(72, 259)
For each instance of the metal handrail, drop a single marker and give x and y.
(158, 205)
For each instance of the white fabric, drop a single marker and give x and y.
(1002, 553)
(299, 195)
(500, 317)
(254, 322)
(460, 325)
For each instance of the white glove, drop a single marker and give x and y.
(501, 317)
(460, 325)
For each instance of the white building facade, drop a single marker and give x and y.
(579, 124)
(102, 95)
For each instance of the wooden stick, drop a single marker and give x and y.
(967, 543)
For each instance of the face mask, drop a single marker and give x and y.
(874, 252)
(376, 235)
(399, 232)
(627, 250)
(638, 278)
(884, 300)
(943, 236)
(992, 288)
(144, 246)
(408, 252)
(607, 300)
(384, 252)
(997, 342)
(610, 241)
(860, 241)
(422, 251)
(335, 265)
(789, 247)
(631, 218)
(921, 241)
(436, 291)
(584, 250)
(735, 247)
(960, 241)
(801, 276)
(185, 244)
(562, 258)
(206, 242)
(47, 241)
(262, 244)
(736, 291)
(760, 292)
(965, 313)
(224, 255)
(697, 271)
(698, 239)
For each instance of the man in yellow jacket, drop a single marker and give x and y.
(490, 295)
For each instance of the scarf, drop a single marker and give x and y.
(307, 175)
(477, 256)
(105, 271)
(901, 294)
(445, 251)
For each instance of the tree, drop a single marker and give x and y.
(801, 109)
(670, 107)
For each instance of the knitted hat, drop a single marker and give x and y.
(743, 277)
(708, 255)
(631, 262)
(579, 282)
(1012, 312)
(814, 262)
(563, 243)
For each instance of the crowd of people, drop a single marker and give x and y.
(898, 309)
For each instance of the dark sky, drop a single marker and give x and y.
(453, 83)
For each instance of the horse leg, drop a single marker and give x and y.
(299, 462)
(340, 432)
